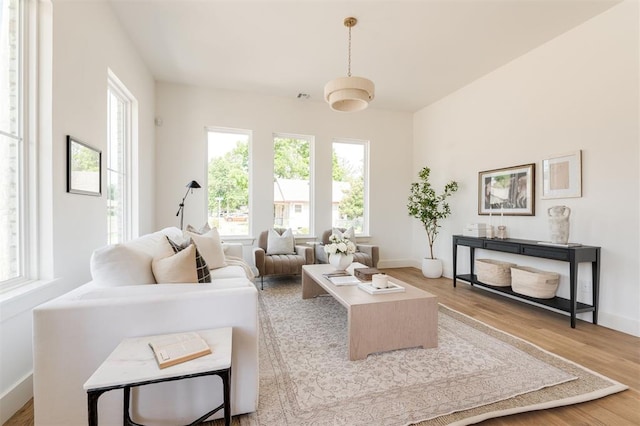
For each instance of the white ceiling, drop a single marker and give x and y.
(416, 52)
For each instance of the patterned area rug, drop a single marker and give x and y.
(477, 372)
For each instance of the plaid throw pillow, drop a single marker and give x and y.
(204, 276)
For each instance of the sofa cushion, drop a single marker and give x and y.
(280, 243)
(202, 270)
(121, 264)
(209, 245)
(179, 267)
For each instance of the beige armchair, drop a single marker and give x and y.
(366, 254)
(280, 264)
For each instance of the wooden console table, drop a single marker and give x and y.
(573, 255)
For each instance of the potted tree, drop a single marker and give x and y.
(429, 208)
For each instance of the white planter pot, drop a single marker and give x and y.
(340, 261)
(432, 268)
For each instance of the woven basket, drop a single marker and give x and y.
(494, 272)
(534, 283)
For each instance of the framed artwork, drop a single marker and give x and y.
(509, 191)
(84, 168)
(562, 176)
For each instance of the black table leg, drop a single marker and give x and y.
(226, 384)
(573, 291)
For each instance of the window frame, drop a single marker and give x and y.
(251, 217)
(311, 140)
(120, 91)
(25, 136)
(365, 175)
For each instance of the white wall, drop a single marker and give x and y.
(182, 156)
(579, 91)
(83, 39)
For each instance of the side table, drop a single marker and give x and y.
(132, 364)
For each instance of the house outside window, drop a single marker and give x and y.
(292, 188)
(119, 180)
(350, 188)
(228, 180)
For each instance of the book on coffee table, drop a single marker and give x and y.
(393, 288)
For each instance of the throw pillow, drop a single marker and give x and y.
(210, 246)
(205, 228)
(202, 270)
(349, 234)
(280, 244)
(119, 264)
(177, 268)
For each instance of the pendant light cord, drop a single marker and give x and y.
(349, 69)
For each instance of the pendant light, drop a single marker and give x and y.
(349, 94)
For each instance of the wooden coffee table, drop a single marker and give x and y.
(379, 322)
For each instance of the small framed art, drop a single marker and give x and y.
(508, 191)
(84, 168)
(562, 176)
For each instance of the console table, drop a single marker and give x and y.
(573, 255)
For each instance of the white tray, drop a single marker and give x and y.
(395, 288)
(344, 280)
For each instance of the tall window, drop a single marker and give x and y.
(13, 154)
(350, 185)
(119, 185)
(228, 180)
(292, 183)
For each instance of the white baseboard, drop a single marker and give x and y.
(15, 398)
(622, 324)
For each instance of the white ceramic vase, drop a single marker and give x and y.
(340, 261)
(431, 268)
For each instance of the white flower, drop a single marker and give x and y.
(339, 245)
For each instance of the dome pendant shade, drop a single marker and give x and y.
(349, 94)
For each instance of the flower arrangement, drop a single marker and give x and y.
(339, 245)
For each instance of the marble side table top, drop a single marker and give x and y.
(132, 361)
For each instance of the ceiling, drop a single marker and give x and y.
(416, 52)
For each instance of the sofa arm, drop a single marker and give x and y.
(258, 256)
(321, 255)
(306, 252)
(372, 251)
(74, 335)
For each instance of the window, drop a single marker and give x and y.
(119, 182)
(292, 183)
(13, 150)
(228, 180)
(350, 190)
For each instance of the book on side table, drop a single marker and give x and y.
(176, 348)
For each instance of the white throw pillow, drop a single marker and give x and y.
(349, 234)
(280, 244)
(178, 268)
(210, 248)
(118, 264)
(205, 228)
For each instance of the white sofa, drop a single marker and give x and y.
(74, 333)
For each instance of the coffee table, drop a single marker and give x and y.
(378, 322)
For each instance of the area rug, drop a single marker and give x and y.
(477, 372)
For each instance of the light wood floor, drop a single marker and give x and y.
(608, 352)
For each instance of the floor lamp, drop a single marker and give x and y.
(190, 186)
